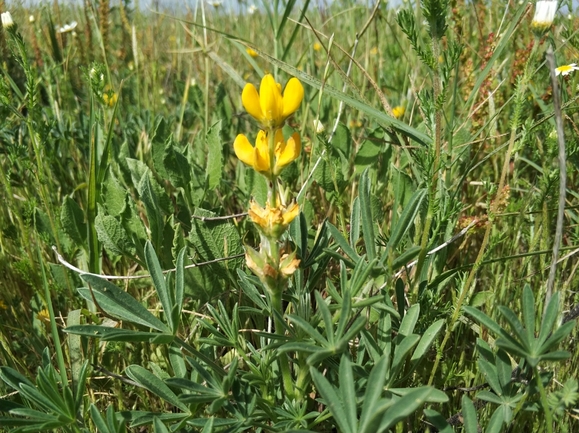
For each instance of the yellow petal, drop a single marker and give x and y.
(289, 153)
(244, 150)
(291, 212)
(279, 142)
(250, 100)
(257, 214)
(262, 163)
(292, 97)
(271, 101)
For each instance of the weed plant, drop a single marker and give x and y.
(396, 251)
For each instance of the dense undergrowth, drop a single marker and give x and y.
(417, 288)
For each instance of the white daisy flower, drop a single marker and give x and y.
(566, 69)
(7, 20)
(68, 27)
(545, 11)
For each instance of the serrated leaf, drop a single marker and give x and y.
(113, 195)
(150, 198)
(214, 155)
(213, 240)
(113, 236)
(160, 139)
(328, 176)
(177, 167)
(72, 221)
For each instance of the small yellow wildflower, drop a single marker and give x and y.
(355, 123)
(566, 69)
(374, 51)
(398, 111)
(109, 96)
(258, 157)
(317, 46)
(272, 222)
(267, 271)
(251, 52)
(269, 107)
(3, 305)
(43, 316)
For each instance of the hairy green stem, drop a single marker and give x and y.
(544, 402)
(288, 385)
(433, 187)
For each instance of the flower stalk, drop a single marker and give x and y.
(273, 263)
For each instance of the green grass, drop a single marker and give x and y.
(116, 144)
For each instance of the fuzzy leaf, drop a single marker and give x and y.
(214, 155)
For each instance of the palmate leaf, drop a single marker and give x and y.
(439, 421)
(469, 415)
(332, 399)
(370, 415)
(348, 392)
(158, 426)
(342, 242)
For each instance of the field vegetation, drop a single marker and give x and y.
(292, 216)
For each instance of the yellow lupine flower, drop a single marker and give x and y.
(272, 222)
(269, 107)
(258, 156)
